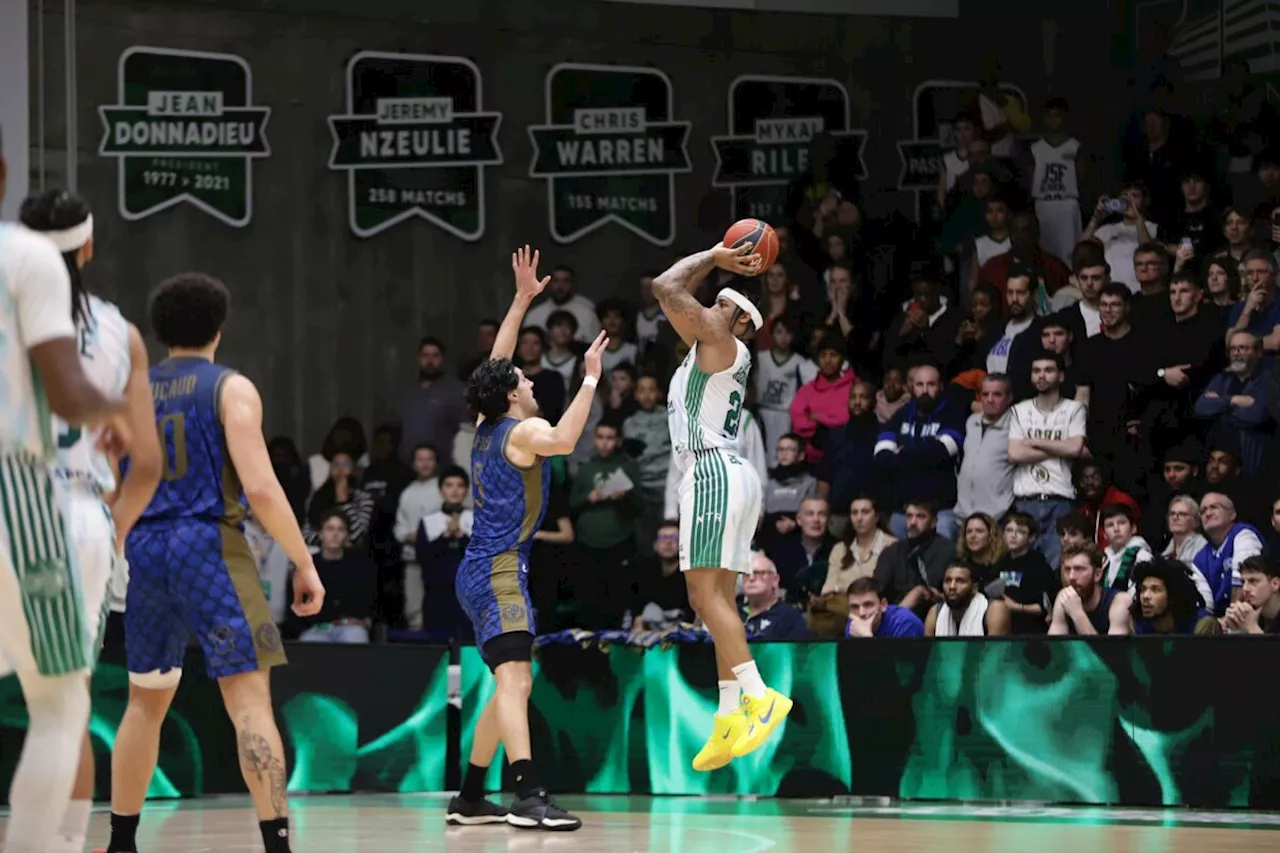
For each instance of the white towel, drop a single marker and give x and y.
(971, 624)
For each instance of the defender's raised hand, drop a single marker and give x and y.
(524, 264)
(742, 260)
(591, 360)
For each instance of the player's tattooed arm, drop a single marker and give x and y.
(259, 761)
(524, 266)
(674, 292)
(684, 276)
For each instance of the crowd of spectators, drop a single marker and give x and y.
(1050, 408)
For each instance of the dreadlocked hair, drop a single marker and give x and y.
(58, 210)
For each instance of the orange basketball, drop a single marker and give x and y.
(757, 233)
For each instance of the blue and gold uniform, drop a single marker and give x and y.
(190, 567)
(493, 580)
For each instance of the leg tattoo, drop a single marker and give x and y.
(257, 756)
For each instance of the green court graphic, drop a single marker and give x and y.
(1134, 722)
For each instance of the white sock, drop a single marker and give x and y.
(730, 697)
(75, 828)
(749, 678)
(58, 708)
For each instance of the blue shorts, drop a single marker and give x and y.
(196, 577)
(494, 592)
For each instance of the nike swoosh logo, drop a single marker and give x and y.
(725, 736)
(765, 718)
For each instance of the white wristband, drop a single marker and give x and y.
(590, 382)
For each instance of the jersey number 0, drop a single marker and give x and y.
(173, 441)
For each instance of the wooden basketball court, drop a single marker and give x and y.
(374, 824)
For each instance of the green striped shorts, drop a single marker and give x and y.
(720, 495)
(43, 624)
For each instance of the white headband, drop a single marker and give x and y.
(744, 303)
(72, 239)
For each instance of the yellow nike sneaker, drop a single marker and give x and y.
(762, 716)
(718, 750)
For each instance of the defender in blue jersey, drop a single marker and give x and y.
(510, 479)
(190, 568)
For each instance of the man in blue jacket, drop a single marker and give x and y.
(1231, 542)
(919, 450)
(872, 616)
(1236, 400)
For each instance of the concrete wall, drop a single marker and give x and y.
(327, 323)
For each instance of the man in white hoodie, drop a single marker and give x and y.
(420, 499)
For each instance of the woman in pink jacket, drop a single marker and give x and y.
(823, 404)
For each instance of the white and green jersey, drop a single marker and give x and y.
(42, 611)
(103, 337)
(704, 410)
(35, 307)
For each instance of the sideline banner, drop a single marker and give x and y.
(352, 718)
(1117, 721)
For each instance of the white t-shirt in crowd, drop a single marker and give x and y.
(998, 357)
(1092, 319)
(1120, 240)
(647, 329)
(985, 248)
(582, 309)
(625, 354)
(1051, 476)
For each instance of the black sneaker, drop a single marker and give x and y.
(541, 812)
(466, 813)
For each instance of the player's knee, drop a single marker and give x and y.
(510, 656)
(60, 700)
(246, 692)
(514, 679)
(701, 593)
(155, 679)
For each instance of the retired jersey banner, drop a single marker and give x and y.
(772, 122)
(610, 151)
(934, 108)
(414, 142)
(184, 129)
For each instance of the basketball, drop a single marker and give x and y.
(754, 232)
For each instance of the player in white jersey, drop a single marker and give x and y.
(115, 360)
(1055, 185)
(719, 492)
(44, 635)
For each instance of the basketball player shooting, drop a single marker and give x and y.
(510, 481)
(719, 491)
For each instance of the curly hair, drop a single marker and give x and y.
(489, 386)
(1184, 599)
(189, 310)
